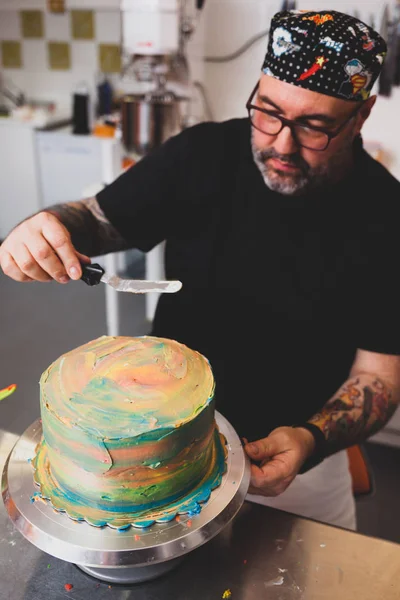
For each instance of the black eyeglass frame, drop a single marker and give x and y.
(293, 124)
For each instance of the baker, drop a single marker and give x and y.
(283, 231)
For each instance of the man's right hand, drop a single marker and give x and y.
(40, 249)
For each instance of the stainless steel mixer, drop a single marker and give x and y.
(130, 556)
(156, 74)
(149, 119)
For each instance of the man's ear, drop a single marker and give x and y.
(365, 111)
(366, 108)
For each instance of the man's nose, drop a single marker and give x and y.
(285, 142)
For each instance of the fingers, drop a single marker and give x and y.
(262, 449)
(278, 458)
(64, 262)
(40, 249)
(269, 473)
(83, 258)
(270, 479)
(11, 269)
(28, 264)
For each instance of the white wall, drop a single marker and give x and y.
(230, 23)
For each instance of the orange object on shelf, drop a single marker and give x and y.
(127, 162)
(105, 131)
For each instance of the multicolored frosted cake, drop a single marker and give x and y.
(129, 432)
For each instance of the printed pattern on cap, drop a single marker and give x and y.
(327, 52)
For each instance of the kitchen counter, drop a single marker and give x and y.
(262, 554)
(48, 122)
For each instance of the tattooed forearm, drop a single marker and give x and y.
(360, 409)
(91, 232)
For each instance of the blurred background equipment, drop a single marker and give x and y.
(159, 93)
(80, 111)
(156, 72)
(390, 31)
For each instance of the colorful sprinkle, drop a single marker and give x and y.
(227, 594)
(48, 566)
(245, 561)
(4, 393)
(68, 587)
(137, 538)
(189, 523)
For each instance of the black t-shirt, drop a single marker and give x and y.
(278, 292)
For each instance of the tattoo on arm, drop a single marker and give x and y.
(91, 231)
(360, 409)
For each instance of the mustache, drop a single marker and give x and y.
(294, 160)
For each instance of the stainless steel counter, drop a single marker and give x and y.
(262, 554)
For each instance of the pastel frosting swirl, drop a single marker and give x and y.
(118, 387)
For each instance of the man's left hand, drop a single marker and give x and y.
(277, 459)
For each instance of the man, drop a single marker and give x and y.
(283, 232)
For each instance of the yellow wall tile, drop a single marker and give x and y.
(32, 23)
(109, 58)
(59, 56)
(82, 24)
(11, 54)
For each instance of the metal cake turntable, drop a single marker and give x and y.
(130, 556)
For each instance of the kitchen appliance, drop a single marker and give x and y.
(150, 118)
(155, 74)
(157, 90)
(133, 555)
(80, 111)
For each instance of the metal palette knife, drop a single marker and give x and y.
(93, 274)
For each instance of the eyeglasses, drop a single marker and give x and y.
(306, 136)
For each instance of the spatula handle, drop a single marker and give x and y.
(92, 273)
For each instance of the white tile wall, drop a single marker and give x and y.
(10, 26)
(34, 55)
(108, 26)
(57, 27)
(84, 56)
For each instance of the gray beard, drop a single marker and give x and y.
(308, 179)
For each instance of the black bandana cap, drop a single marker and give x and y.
(326, 52)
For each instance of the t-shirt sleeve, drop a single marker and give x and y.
(143, 203)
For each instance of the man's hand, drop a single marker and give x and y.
(40, 249)
(277, 459)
